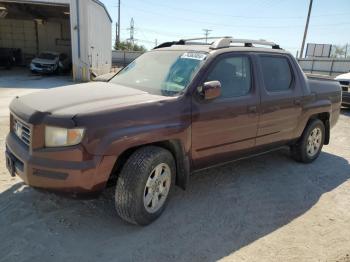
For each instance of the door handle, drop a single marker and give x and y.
(252, 109)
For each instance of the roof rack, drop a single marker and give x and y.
(205, 38)
(220, 42)
(227, 41)
(190, 41)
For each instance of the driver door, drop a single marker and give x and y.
(225, 128)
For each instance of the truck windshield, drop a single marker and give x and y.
(47, 56)
(165, 73)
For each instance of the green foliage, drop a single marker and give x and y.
(129, 47)
(339, 51)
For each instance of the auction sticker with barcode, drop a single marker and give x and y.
(194, 55)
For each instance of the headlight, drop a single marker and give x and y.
(57, 136)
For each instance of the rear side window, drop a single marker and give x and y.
(277, 73)
(234, 75)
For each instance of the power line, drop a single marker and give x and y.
(149, 12)
(242, 16)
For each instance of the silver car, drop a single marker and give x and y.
(50, 62)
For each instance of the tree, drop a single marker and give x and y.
(339, 51)
(129, 47)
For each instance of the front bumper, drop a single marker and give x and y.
(46, 70)
(68, 169)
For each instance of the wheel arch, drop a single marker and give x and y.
(325, 118)
(176, 149)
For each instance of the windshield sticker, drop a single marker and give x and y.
(194, 55)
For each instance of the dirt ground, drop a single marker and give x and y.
(268, 208)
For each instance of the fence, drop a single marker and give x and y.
(123, 58)
(325, 66)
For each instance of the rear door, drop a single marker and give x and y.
(226, 127)
(281, 99)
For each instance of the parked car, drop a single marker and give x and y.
(172, 111)
(7, 57)
(344, 81)
(50, 62)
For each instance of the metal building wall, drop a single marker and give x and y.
(92, 34)
(90, 26)
(99, 39)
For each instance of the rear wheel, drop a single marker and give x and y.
(144, 185)
(309, 146)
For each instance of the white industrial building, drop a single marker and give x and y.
(79, 28)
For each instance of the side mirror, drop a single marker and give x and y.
(210, 90)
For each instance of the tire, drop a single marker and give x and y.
(137, 181)
(302, 150)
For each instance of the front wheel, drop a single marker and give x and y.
(144, 185)
(309, 146)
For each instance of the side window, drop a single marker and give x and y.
(234, 75)
(277, 73)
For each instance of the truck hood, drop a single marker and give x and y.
(85, 98)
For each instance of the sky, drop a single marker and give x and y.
(280, 21)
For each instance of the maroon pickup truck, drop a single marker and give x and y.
(179, 108)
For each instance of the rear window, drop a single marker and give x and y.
(277, 73)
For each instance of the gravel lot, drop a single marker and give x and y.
(268, 208)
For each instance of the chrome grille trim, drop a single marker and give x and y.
(22, 131)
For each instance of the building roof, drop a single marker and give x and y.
(104, 7)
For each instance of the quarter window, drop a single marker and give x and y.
(276, 73)
(234, 75)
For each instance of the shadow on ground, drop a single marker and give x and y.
(345, 111)
(23, 78)
(223, 210)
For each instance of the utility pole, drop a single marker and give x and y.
(116, 35)
(118, 30)
(346, 51)
(132, 31)
(306, 28)
(206, 33)
(156, 42)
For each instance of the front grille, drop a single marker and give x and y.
(44, 66)
(22, 131)
(345, 85)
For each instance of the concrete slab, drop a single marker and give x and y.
(23, 78)
(20, 81)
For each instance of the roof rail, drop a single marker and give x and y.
(220, 42)
(205, 38)
(227, 41)
(189, 41)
